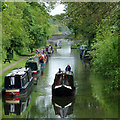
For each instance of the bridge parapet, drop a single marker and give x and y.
(57, 36)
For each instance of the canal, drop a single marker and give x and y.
(90, 100)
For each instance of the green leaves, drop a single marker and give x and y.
(25, 25)
(97, 23)
(105, 58)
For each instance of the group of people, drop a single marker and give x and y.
(42, 54)
(67, 69)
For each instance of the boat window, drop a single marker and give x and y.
(29, 75)
(12, 82)
(70, 78)
(12, 108)
(66, 82)
(58, 79)
(32, 65)
(24, 80)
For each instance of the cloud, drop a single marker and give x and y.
(58, 9)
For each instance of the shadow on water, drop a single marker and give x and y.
(63, 106)
(90, 100)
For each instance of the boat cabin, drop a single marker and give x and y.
(33, 63)
(86, 55)
(64, 78)
(35, 66)
(17, 81)
(63, 84)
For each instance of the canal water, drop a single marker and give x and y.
(90, 100)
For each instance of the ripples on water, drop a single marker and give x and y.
(88, 102)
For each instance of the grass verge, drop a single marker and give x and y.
(20, 64)
(16, 58)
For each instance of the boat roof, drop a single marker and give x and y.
(33, 59)
(83, 45)
(67, 73)
(18, 71)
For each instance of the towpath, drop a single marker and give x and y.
(15, 63)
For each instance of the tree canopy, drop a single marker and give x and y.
(97, 24)
(24, 26)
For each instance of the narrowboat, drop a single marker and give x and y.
(63, 84)
(35, 66)
(86, 55)
(82, 48)
(18, 82)
(63, 106)
(49, 49)
(16, 105)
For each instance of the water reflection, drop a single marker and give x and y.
(16, 105)
(86, 64)
(90, 99)
(60, 59)
(63, 106)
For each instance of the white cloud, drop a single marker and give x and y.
(58, 9)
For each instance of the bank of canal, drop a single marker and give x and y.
(90, 101)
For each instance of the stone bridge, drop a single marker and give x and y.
(57, 36)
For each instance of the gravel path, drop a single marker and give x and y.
(8, 67)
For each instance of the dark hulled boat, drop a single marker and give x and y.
(63, 84)
(86, 55)
(49, 49)
(35, 66)
(18, 82)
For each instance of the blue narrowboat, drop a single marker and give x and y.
(82, 48)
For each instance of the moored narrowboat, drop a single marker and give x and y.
(63, 84)
(35, 66)
(18, 82)
(49, 49)
(82, 48)
(86, 55)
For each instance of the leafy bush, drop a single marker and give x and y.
(105, 57)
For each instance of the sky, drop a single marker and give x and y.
(58, 9)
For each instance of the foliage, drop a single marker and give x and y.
(25, 27)
(98, 24)
(83, 17)
(58, 23)
(106, 55)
